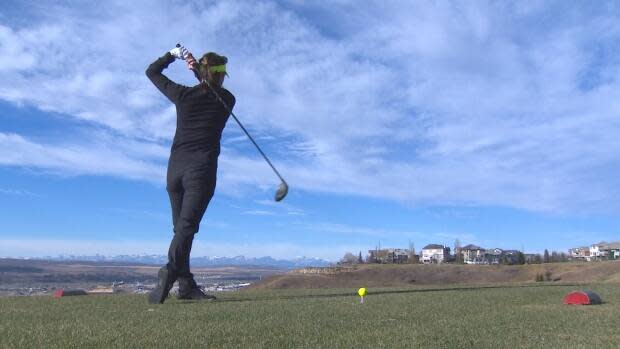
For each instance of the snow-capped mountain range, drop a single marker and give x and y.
(266, 261)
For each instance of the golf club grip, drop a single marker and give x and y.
(244, 130)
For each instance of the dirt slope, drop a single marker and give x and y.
(400, 275)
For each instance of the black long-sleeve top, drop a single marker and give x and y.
(200, 116)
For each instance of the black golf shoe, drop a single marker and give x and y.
(164, 284)
(188, 289)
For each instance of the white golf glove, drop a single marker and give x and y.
(180, 52)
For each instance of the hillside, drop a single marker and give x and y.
(400, 275)
(24, 273)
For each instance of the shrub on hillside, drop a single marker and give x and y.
(548, 275)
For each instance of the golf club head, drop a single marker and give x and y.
(282, 191)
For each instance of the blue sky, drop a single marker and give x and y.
(490, 122)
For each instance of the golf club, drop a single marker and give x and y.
(283, 188)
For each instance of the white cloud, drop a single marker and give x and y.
(259, 213)
(74, 160)
(429, 103)
(282, 207)
(449, 238)
(345, 229)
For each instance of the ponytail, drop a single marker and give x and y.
(212, 68)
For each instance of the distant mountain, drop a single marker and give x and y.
(261, 261)
(298, 262)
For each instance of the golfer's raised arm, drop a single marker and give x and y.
(169, 88)
(193, 66)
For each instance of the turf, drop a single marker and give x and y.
(482, 317)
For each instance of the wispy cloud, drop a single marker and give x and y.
(346, 229)
(285, 207)
(259, 213)
(429, 103)
(18, 192)
(97, 159)
(449, 238)
(140, 213)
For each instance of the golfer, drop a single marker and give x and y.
(192, 167)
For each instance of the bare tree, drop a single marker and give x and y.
(521, 258)
(555, 257)
(349, 258)
(372, 256)
(538, 259)
(458, 257)
(412, 257)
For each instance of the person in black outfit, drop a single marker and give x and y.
(192, 167)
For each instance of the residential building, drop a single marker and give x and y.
(434, 253)
(605, 250)
(579, 253)
(511, 256)
(501, 256)
(613, 250)
(473, 254)
(533, 258)
(598, 251)
(389, 255)
(493, 255)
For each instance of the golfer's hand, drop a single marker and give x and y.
(191, 62)
(180, 52)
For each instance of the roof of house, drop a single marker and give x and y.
(472, 247)
(608, 245)
(433, 247)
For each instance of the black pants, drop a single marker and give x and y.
(190, 184)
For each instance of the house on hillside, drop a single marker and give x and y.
(613, 250)
(400, 255)
(598, 251)
(493, 255)
(579, 253)
(510, 257)
(605, 250)
(500, 256)
(389, 255)
(434, 253)
(533, 258)
(473, 254)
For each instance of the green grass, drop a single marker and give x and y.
(500, 317)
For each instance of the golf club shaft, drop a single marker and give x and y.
(244, 130)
